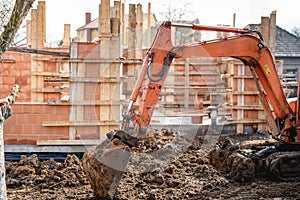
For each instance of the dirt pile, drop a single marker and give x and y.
(167, 166)
(228, 159)
(189, 176)
(29, 172)
(43, 178)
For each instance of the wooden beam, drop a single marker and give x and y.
(89, 103)
(78, 123)
(67, 142)
(45, 73)
(95, 80)
(254, 107)
(39, 51)
(246, 122)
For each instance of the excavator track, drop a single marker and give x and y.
(284, 165)
(242, 162)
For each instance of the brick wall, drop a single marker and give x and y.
(25, 126)
(15, 68)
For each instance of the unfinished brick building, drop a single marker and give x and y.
(72, 98)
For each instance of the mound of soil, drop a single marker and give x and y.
(48, 179)
(160, 169)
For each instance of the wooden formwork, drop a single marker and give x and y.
(242, 97)
(99, 78)
(223, 82)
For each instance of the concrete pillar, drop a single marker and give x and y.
(115, 46)
(131, 31)
(33, 29)
(234, 20)
(28, 32)
(66, 40)
(272, 36)
(115, 20)
(117, 9)
(139, 32)
(149, 26)
(149, 14)
(265, 29)
(41, 24)
(104, 18)
(123, 24)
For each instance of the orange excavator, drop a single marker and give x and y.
(245, 45)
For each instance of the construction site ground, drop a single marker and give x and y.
(187, 175)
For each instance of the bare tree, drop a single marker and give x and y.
(11, 17)
(296, 31)
(174, 12)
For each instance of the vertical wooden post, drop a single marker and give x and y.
(186, 82)
(231, 82)
(105, 70)
(241, 88)
(76, 90)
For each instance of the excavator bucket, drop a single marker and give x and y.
(104, 164)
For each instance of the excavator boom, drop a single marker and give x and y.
(112, 155)
(244, 46)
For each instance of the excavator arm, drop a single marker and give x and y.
(243, 46)
(112, 155)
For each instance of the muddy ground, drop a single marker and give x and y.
(186, 174)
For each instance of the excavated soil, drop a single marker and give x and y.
(160, 169)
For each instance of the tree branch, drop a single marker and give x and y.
(20, 10)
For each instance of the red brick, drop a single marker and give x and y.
(21, 66)
(36, 119)
(65, 110)
(28, 108)
(21, 80)
(16, 129)
(26, 72)
(9, 80)
(4, 71)
(42, 109)
(18, 119)
(9, 140)
(50, 67)
(17, 108)
(25, 88)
